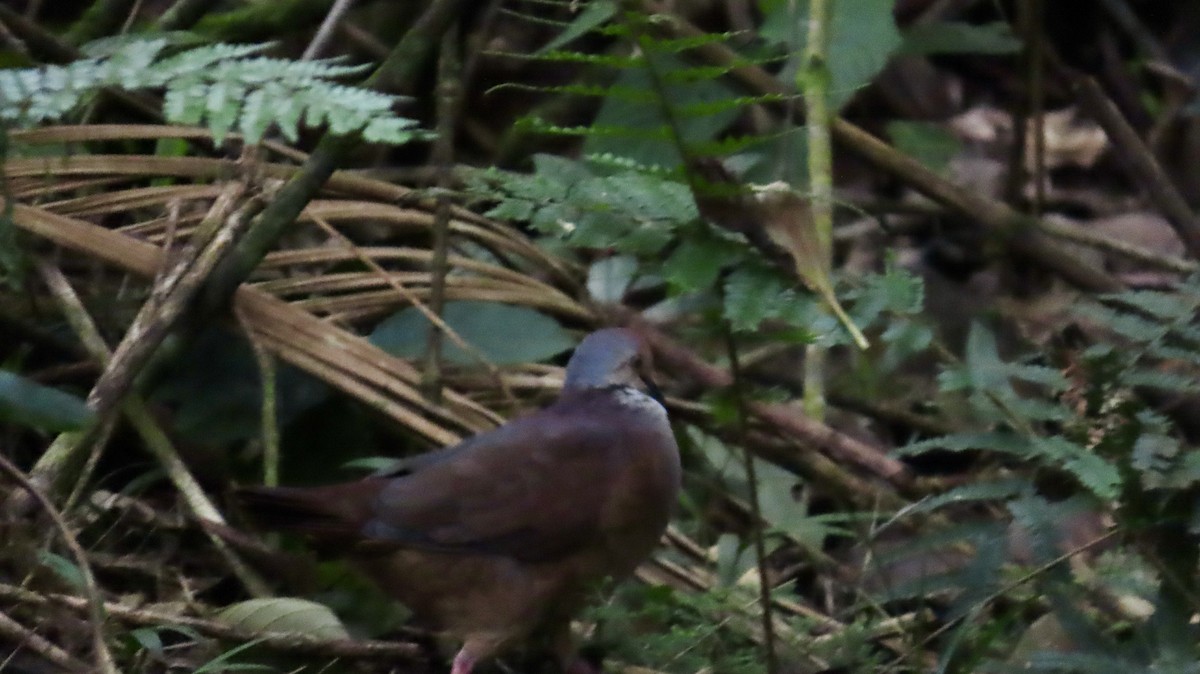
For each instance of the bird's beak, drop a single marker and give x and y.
(653, 390)
(645, 372)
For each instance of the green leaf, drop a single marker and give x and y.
(729, 549)
(950, 37)
(754, 293)
(1186, 473)
(284, 614)
(594, 15)
(1098, 475)
(642, 133)
(609, 278)
(504, 333)
(931, 144)
(63, 568)
(393, 131)
(862, 37)
(1005, 443)
(226, 86)
(904, 338)
(147, 638)
(1126, 324)
(896, 291)
(999, 490)
(698, 260)
(28, 403)
(223, 662)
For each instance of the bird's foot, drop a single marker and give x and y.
(463, 663)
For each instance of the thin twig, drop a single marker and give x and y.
(420, 306)
(1014, 229)
(760, 546)
(288, 642)
(325, 32)
(157, 442)
(94, 603)
(1141, 164)
(171, 297)
(1032, 19)
(788, 421)
(268, 372)
(1003, 591)
(1087, 237)
(449, 92)
(24, 637)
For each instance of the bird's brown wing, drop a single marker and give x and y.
(534, 489)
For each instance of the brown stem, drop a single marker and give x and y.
(94, 603)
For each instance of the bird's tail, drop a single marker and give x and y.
(332, 512)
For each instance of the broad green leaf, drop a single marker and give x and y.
(28, 403)
(503, 333)
(595, 14)
(63, 568)
(609, 278)
(698, 260)
(729, 550)
(929, 143)
(148, 638)
(284, 614)
(862, 37)
(950, 37)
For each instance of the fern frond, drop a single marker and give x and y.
(223, 86)
(1166, 306)
(1091, 470)
(1159, 379)
(1004, 443)
(999, 490)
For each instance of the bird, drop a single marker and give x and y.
(498, 541)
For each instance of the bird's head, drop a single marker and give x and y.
(610, 357)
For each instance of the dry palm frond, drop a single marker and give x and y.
(304, 294)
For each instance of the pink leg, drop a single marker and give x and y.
(464, 662)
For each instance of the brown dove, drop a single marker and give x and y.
(500, 538)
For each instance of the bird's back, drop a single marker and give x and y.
(580, 490)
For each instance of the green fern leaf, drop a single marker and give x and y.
(1160, 379)
(1004, 443)
(754, 293)
(1099, 476)
(999, 490)
(224, 86)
